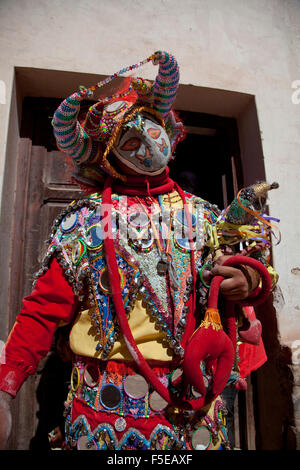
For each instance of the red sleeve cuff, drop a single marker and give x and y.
(11, 379)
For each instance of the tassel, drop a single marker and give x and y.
(212, 318)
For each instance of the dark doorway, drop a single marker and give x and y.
(211, 153)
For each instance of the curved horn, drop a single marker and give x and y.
(166, 82)
(70, 136)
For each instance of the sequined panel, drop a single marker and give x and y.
(184, 431)
(103, 316)
(113, 391)
(79, 436)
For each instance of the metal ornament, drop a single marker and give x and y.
(94, 236)
(201, 438)
(157, 403)
(75, 379)
(110, 396)
(183, 243)
(84, 443)
(120, 424)
(162, 265)
(135, 386)
(117, 106)
(174, 376)
(79, 249)
(182, 218)
(104, 281)
(195, 393)
(138, 219)
(91, 375)
(69, 222)
(172, 272)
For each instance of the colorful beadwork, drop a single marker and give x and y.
(78, 246)
(199, 431)
(89, 143)
(81, 254)
(124, 70)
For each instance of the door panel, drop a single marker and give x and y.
(43, 190)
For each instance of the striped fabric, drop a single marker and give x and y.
(70, 136)
(166, 84)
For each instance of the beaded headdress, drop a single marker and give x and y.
(92, 140)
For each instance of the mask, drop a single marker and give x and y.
(144, 146)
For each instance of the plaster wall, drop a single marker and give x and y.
(246, 46)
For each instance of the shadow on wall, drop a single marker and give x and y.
(274, 382)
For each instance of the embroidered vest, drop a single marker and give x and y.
(153, 253)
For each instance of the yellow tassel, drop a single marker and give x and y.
(212, 318)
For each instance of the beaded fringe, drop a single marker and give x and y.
(212, 318)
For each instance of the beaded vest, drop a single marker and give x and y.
(153, 255)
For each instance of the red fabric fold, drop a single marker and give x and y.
(142, 185)
(251, 356)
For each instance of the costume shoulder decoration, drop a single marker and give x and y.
(69, 239)
(245, 226)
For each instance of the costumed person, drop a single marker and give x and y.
(131, 268)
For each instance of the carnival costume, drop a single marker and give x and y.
(128, 266)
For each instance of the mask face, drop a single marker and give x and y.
(144, 146)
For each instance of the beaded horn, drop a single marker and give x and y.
(162, 93)
(88, 143)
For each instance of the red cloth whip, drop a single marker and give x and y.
(210, 342)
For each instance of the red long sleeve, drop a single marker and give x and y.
(51, 301)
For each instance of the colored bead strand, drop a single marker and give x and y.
(166, 83)
(121, 72)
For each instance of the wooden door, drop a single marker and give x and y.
(43, 190)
